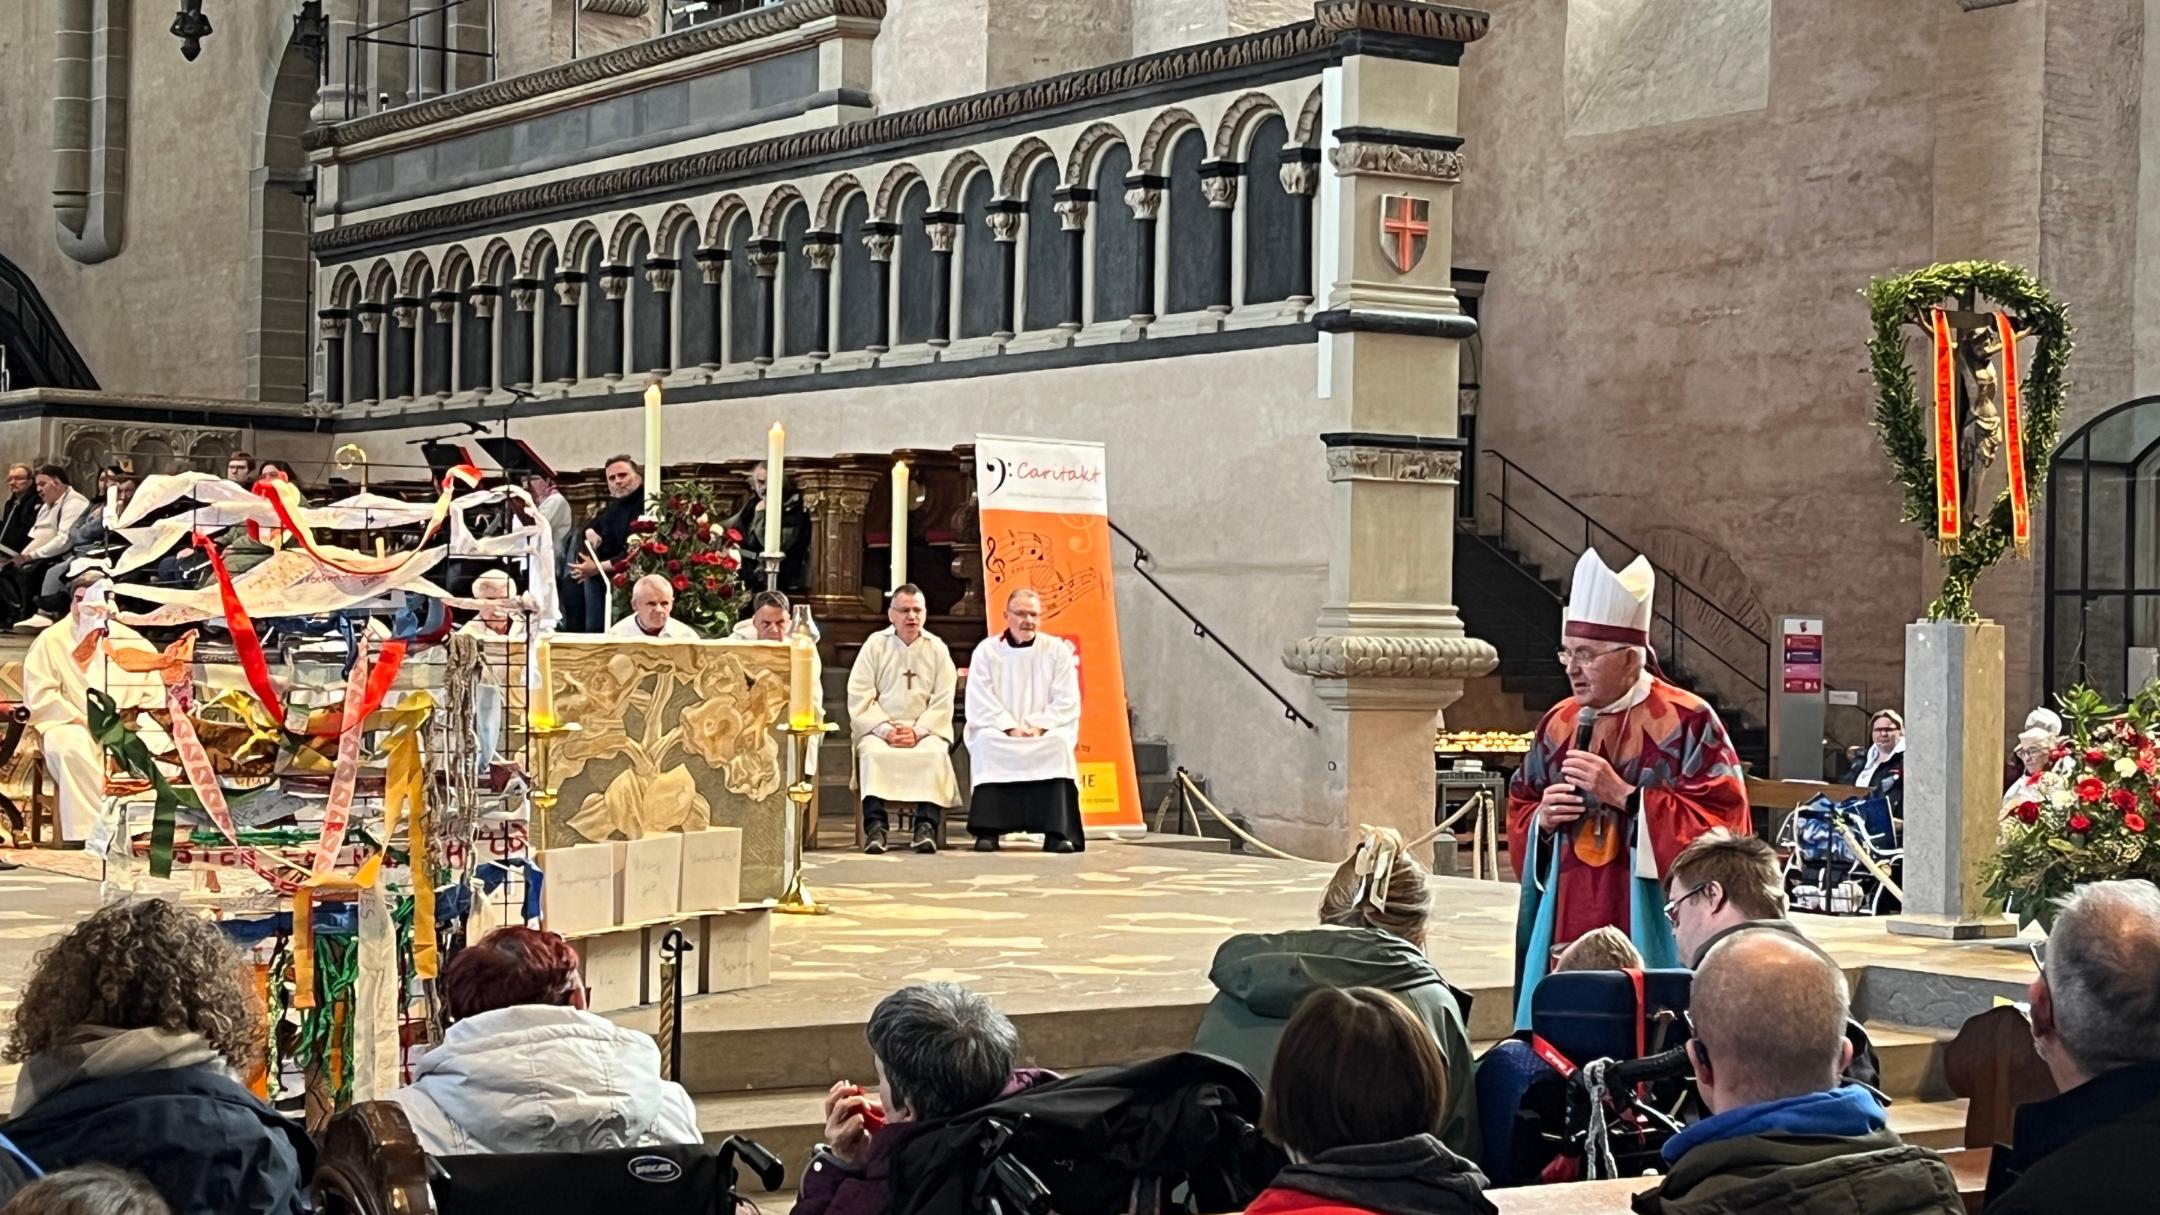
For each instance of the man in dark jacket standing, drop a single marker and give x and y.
(15, 520)
(607, 538)
(1769, 1014)
(2095, 1009)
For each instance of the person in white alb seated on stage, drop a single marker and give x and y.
(900, 709)
(1023, 720)
(64, 663)
(769, 620)
(651, 618)
(498, 620)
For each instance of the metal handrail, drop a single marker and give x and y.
(45, 343)
(1675, 586)
(365, 36)
(1141, 558)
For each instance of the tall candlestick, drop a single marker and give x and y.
(899, 524)
(652, 445)
(802, 672)
(775, 449)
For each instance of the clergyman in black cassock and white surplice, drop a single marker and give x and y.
(900, 710)
(1023, 720)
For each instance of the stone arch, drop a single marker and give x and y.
(583, 235)
(281, 333)
(381, 282)
(1238, 122)
(956, 174)
(1093, 142)
(457, 265)
(885, 208)
(777, 204)
(1021, 165)
(417, 268)
(1161, 133)
(492, 258)
(723, 213)
(669, 229)
(827, 216)
(627, 229)
(344, 288)
(1306, 131)
(537, 246)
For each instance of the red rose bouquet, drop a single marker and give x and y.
(683, 540)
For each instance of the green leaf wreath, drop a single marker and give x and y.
(1894, 303)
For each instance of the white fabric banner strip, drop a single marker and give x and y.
(375, 1000)
(289, 583)
(1054, 476)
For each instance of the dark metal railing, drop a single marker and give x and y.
(1141, 558)
(34, 349)
(682, 14)
(425, 36)
(1681, 614)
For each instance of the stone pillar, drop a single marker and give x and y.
(570, 293)
(1218, 182)
(1144, 194)
(335, 97)
(333, 339)
(1004, 220)
(366, 381)
(820, 249)
(612, 360)
(525, 305)
(404, 343)
(837, 494)
(942, 227)
(1388, 652)
(712, 272)
(438, 346)
(660, 276)
(1953, 777)
(879, 238)
(1300, 173)
(481, 300)
(1072, 213)
(765, 260)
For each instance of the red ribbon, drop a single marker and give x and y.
(273, 492)
(2014, 439)
(1949, 527)
(245, 640)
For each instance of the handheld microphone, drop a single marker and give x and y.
(1585, 722)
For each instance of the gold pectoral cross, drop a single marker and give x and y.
(909, 675)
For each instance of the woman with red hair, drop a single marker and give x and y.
(524, 1068)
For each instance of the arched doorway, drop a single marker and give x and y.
(281, 328)
(2103, 553)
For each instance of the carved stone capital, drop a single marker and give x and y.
(483, 302)
(660, 276)
(880, 245)
(614, 281)
(766, 262)
(1145, 201)
(332, 323)
(1072, 214)
(712, 266)
(1393, 464)
(1382, 656)
(524, 296)
(941, 236)
(568, 291)
(820, 255)
(1219, 183)
(1004, 226)
(1396, 160)
(371, 320)
(1299, 177)
(406, 315)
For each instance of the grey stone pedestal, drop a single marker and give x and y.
(1953, 777)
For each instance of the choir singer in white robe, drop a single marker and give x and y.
(900, 703)
(1023, 720)
(64, 663)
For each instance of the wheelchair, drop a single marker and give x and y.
(371, 1164)
(1837, 855)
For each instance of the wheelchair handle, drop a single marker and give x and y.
(768, 1168)
(1666, 1065)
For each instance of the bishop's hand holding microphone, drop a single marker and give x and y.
(1591, 786)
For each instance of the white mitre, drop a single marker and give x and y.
(1606, 606)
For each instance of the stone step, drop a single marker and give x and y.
(1930, 1124)
(1912, 1061)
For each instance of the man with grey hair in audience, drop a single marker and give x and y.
(1769, 1017)
(2096, 1024)
(940, 1051)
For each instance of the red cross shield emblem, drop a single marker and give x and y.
(1404, 227)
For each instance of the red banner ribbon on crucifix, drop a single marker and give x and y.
(1949, 522)
(2014, 439)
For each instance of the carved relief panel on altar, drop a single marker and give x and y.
(673, 736)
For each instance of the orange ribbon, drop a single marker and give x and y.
(1949, 525)
(2014, 439)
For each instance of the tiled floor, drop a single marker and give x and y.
(35, 906)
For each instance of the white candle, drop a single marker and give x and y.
(652, 445)
(899, 524)
(775, 449)
(543, 700)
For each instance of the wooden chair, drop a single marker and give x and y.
(1993, 1064)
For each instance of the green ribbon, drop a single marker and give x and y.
(133, 755)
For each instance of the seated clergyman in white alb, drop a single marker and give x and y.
(652, 604)
(496, 619)
(67, 660)
(1023, 720)
(900, 708)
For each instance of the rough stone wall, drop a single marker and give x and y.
(1215, 465)
(1032, 39)
(928, 51)
(166, 315)
(536, 34)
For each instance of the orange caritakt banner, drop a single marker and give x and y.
(1949, 527)
(1046, 526)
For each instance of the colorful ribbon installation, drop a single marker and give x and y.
(1949, 524)
(2014, 438)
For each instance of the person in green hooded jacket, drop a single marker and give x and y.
(1371, 934)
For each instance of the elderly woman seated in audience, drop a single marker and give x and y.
(524, 1068)
(93, 1189)
(131, 1032)
(940, 1051)
(1603, 948)
(1372, 934)
(1358, 1096)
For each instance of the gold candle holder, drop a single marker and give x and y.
(546, 734)
(796, 898)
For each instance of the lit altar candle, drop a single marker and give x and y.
(802, 678)
(543, 701)
(899, 524)
(652, 445)
(775, 448)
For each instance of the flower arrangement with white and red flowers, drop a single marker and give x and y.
(2090, 814)
(683, 540)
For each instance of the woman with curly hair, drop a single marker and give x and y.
(524, 1068)
(131, 1032)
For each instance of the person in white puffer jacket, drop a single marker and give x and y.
(524, 1068)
